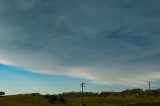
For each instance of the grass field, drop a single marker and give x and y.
(21, 100)
(112, 101)
(144, 104)
(26, 100)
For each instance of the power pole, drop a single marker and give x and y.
(82, 85)
(149, 85)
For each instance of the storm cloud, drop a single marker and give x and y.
(106, 41)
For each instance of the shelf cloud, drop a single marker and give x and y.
(103, 41)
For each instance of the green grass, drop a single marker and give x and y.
(111, 101)
(26, 100)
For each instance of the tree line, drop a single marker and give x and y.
(137, 92)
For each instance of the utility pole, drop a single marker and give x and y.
(82, 85)
(149, 85)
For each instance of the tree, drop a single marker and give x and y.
(2, 93)
(35, 94)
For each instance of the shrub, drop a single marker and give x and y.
(2, 93)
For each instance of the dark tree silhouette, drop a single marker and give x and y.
(2, 93)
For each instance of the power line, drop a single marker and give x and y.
(82, 85)
(149, 86)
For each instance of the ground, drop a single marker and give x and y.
(26, 100)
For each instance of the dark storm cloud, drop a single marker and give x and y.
(94, 39)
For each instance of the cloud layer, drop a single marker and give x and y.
(104, 41)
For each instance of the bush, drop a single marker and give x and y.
(51, 98)
(2, 93)
(61, 99)
(35, 94)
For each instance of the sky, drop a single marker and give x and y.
(51, 46)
